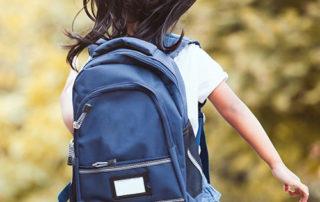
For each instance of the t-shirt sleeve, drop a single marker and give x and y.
(210, 73)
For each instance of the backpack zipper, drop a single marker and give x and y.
(104, 163)
(172, 200)
(86, 109)
(124, 167)
(123, 86)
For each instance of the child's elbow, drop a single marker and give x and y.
(235, 108)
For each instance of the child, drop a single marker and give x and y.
(203, 76)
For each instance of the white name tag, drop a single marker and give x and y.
(129, 186)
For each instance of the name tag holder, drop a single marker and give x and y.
(129, 186)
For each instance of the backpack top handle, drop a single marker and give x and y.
(124, 42)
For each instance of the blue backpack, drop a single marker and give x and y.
(133, 140)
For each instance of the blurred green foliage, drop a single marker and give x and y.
(271, 50)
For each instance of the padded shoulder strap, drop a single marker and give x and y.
(92, 47)
(170, 39)
(201, 140)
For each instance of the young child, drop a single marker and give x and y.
(203, 76)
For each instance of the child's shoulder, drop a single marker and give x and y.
(192, 55)
(194, 52)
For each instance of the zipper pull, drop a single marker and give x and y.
(71, 153)
(104, 163)
(86, 109)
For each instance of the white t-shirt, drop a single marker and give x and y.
(201, 75)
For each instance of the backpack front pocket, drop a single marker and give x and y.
(124, 145)
(135, 180)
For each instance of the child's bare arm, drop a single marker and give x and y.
(66, 101)
(238, 115)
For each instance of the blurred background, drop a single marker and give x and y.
(270, 49)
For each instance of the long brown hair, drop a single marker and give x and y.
(153, 19)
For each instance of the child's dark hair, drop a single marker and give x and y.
(153, 18)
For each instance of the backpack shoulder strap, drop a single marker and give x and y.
(200, 136)
(93, 46)
(172, 38)
(201, 140)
